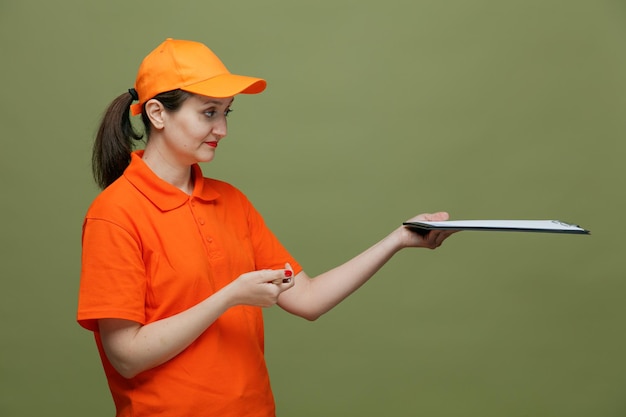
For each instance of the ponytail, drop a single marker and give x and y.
(114, 142)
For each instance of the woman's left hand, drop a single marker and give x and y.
(431, 240)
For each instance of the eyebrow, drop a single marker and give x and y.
(216, 101)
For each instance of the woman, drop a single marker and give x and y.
(176, 267)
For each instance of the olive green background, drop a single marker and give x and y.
(375, 111)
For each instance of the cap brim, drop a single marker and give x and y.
(227, 85)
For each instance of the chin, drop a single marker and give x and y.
(206, 158)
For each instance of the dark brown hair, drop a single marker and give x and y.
(114, 140)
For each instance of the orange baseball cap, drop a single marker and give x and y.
(190, 66)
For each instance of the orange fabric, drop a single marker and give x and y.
(190, 66)
(151, 251)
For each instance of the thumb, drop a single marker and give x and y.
(439, 216)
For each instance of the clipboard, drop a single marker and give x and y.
(540, 226)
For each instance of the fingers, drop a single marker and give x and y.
(286, 278)
(434, 238)
(440, 216)
(427, 239)
(431, 217)
(262, 288)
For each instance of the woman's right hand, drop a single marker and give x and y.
(261, 288)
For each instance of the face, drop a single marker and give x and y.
(193, 132)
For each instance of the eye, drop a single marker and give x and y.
(212, 113)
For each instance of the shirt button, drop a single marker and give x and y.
(201, 221)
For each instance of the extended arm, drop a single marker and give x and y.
(312, 297)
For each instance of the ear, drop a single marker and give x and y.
(155, 111)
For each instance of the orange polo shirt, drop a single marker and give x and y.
(151, 251)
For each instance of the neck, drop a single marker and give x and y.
(177, 175)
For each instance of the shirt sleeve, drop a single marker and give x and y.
(113, 276)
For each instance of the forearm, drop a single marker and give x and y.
(132, 348)
(312, 297)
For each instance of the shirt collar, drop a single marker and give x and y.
(161, 193)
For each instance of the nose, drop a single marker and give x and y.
(220, 128)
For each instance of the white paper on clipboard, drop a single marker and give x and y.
(544, 226)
